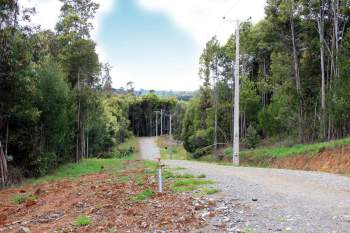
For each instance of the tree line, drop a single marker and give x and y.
(57, 104)
(55, 95)
(294, 79)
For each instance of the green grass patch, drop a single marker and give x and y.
(186, 185)
(82, 221)
(123, 179)
(144, 195)
(209, 191)
(285, 151)
(139, 179)
(150, 164)
(85, 167)
(21, 198)
(130, 143)
(167, 174)
(185, 182)
(112, 230)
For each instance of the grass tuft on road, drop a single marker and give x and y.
(209, 191)
(82, 221)
(144, 195)
(186, 185)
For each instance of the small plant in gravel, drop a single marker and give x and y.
(21, 198)
(112, 230)
(139, 180)
(144, 195)
(186, 185)
(82, 221)
(201, 176)
(209, 191)
(248, 230)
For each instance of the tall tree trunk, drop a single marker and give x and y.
(297, 79)
(6, 139)
(77, 155)
(87, 145)
(320, 23)
(335, 6)
(82, 138)
(3, 167)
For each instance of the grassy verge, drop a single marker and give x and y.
(130, 143)
(308, 149)
(169, 149)
(144, 195)
(90, 166)
(86, 167)
(261, 156)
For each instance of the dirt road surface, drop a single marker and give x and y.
(272, 200)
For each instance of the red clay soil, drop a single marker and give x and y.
(104, 200)
(332, 160)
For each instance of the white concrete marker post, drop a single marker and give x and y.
(160, 178)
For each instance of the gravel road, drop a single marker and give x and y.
(287, 201)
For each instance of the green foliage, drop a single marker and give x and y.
(144, 195)
(209, 191)
(21, 198)
(198, 143)
(186, 185)
(252, 138)
(89, 166)
(82, 221)
(299, 149)
(142, 114)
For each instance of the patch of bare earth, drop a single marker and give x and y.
(105, 200)
(332, 160)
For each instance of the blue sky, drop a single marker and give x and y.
(156, 43)
(147, 48)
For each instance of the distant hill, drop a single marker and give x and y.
(180, 95)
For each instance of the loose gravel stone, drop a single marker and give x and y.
(287, 201)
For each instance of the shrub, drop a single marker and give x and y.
(43, 163)
(198, 143)
(252, 138)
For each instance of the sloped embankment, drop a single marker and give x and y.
(336, 160)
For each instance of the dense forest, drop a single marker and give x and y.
(294, 78)
(57, 103)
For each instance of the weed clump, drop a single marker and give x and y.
(144, 195)
(82, 221)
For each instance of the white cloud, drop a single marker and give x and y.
(204, 18)
(160, 80)
(200, 19)
(47, 12)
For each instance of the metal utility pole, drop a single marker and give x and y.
(156, 123)
(161, 122)
(216, 109)
(170, 128)
(236, 104)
